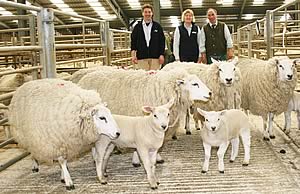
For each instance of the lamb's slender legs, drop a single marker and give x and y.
(153, 159)
(35, 165)
(246, 139)
(265, 129)
(288, 120)
(187, 123)
(136, 160)
(235, 148)
(298, 119)
(221, 151)
(270, 127)
(145, 157)
(110, 149)
(207, 150)
(66, 174)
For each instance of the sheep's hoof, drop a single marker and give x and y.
(204, 171)
(221, 171)
(136, 165)
(71, 187)
(34, 170)
(174, 137)
(104, 183)
(188, 133)
(62, 181)
(266, 139)
(231, 161)
(272, 136)
(245, 164)
(198, 129)
(160, 161)
(157, 183)
(153, 188)
(105, 175)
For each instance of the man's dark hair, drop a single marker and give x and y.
(147, 6)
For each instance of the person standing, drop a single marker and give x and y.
(147, 42)
(187, 39)
(216, 40)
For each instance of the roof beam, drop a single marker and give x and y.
(119, 12)
(242, 9)
(181, 7)
(4, 25)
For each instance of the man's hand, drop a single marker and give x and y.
(199, 60)
(229, 53)
(134, 60)
(203, 58)
(161, 59)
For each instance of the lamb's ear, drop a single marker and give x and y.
(222, 112)
(147, 109)
(202, 112)
(105, 104)
(170, 103)
(296, 61)
(180, 81)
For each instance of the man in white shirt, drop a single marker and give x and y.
(216, 40)
(187, 39)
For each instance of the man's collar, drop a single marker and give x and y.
(210, 24)
(145, 22)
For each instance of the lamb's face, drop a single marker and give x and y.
(160, 115)
(212, 119)
(104, 122)
(227, 71)
(195, 88)
(285, 67)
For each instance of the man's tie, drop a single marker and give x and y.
(147, 24)
(214, 26)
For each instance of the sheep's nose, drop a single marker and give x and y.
(118, 134)
(290, 76)
(228, 80)
(213, 128)
(209, 93)
(164, 126)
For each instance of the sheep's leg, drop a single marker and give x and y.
(221, 151)
(145, 157)
(136, 160)
(101, 148)
(287, 123)
(270, 126)
(298, 119)
(35, 165)
(265, 129)
(246, 139)
(66, 174)
(196, 120)
(108, 152)
(207, 150)
(235, 148)
(153, 154)
(187, 123)
(159, 159)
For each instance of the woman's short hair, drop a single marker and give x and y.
(185, 12)
(147, 6)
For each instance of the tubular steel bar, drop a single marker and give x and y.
(78, 60)
(13, 161)
(20, 48)
(67, 46)
(8, 141)
(23, 70)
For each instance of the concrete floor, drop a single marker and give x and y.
(269, 170)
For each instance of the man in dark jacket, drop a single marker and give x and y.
(147, 42)
(216, 40)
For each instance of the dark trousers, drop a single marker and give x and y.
(216, 57)
(189, 59)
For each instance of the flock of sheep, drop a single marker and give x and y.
(104, 107)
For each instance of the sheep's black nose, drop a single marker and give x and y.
(164, 126)
(118, 134)
(209, 93)
(229, 80)
(213, 128)
(290, 76)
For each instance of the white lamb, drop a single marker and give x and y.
(294, 105)
(224, 80)
(267, 87)
(56, 120)
(221, 128)
(144, 133)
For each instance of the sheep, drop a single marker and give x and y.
(267, 87)
(144, 133)
(222, 77)
(294, 105)
(55, 120)
(127, 90)
(223, 127)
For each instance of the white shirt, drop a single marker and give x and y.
(147, 31)
(177, 40)
(226, 34)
